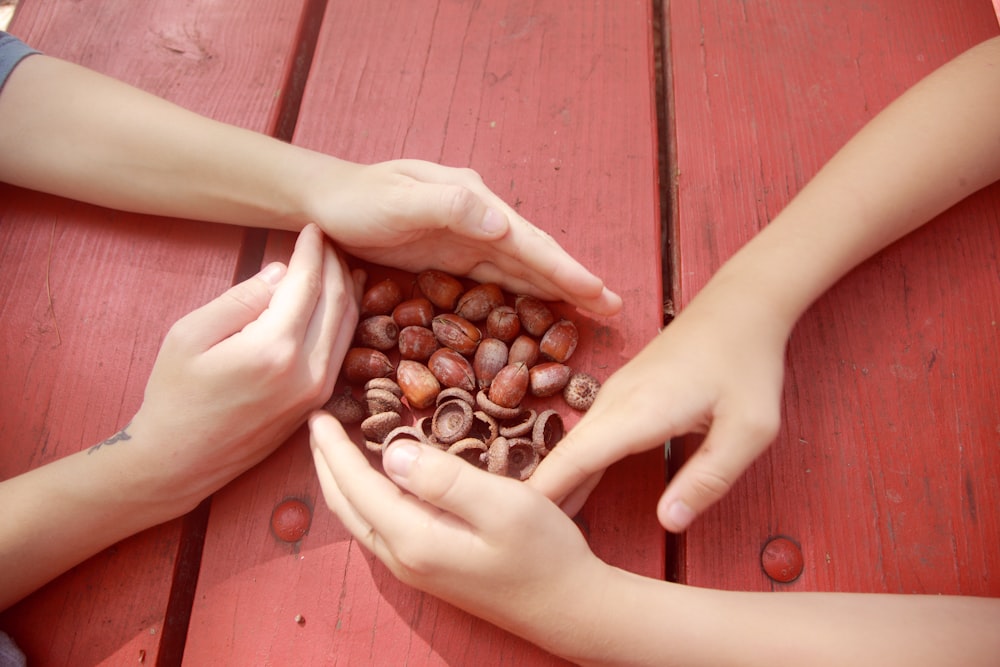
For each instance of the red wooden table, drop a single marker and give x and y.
(885, 471)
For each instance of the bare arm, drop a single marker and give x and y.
(720, 364)
(70, 131)
(498, 549)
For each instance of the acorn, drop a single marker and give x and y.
(581, 390)
(378, 331)
(364, 363)
(535, 316)
(559, 341)
(346, 408)
(524, 350)
(478, 302)
(381, 298)
(440, 288)
(509, 386)
(416, 312)
(548, 379)
(456, 332)
(491, 356)
(382, 400)
(416, 342)
(503, 323)
(379, 425)
(452, 369)
(420, 387)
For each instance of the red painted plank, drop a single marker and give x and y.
(530, 95)
(885, 468)
(87, 294)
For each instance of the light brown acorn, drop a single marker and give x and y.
(452, 369)
(523, 350)
(416, 342)
(535, 316)
(381, 298)
(548, 379)
(581, 390)
(476, 304)
(420, 387)
(440, 288)
(509, 386)
(364, 363)
(560, 341)
(416, 312)
(503, 323)
(378, 331)
(491, 356)
(456, 332)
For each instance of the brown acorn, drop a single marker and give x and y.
(535, 316)
(452, 369)
(581, 390)
(364, 363)
(491, 356)
(452, 421)
(416, 312)
(378, 331)
(416, 342)
(509, 386)
(559, 341)
(346, 408)
(420, 387)
(524, 350)
(476, 304)
(440, 288)
(548, 379)
(503, 323)
(381, 298)
(456, 332)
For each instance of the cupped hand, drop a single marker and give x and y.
(415, 215)
(236, 377)
(487, 544)
(717, 370)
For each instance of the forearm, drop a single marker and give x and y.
(658, 623)
(932, 147)
(73, 132)
(62, 513)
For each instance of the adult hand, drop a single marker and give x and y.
(416, 215)
(236, 377)
(717, 369)
(487, 544)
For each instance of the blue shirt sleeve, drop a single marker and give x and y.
(12, 51)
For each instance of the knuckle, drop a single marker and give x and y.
(707, 486)
(458, 202)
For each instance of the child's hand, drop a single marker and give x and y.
(716, 369)
(236, 377)
(416, 215)
(487, 544)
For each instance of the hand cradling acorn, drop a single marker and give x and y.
(471, 357)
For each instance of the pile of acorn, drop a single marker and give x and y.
(470, 357)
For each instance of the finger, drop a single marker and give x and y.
(336, 312)
(574, 502)
(230, 312)
(295, 298)
(728, 450)
(448, 482)
(336, 457)
(336, 501)
(585, 451)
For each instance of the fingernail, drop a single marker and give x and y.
(679, 515)
(399, 460)
(272, 273)
(493, 222)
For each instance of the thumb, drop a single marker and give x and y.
(446, 481)
(728, 450)
(234, 309)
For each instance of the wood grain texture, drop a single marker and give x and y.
(87, 294)
(885, 470)
(553, 104)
